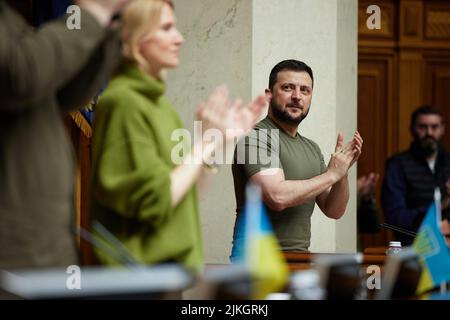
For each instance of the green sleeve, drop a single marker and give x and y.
(34, 64)
(258, 151)
(131, 178)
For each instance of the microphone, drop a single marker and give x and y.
(398, 229)
(401, 230)
(106, 245)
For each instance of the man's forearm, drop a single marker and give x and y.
(290, 193)
(337, 199)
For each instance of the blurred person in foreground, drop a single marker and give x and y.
(45, 72)
(141, 193)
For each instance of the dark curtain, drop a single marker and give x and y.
(37, 12)
(24, 7)
(45, 10)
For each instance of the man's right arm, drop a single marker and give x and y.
(279, 194)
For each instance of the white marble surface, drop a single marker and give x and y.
(217, 50)
(346, 102)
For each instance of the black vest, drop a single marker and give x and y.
(420, 180)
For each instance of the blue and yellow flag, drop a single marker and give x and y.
(434, 255)
(261, 252)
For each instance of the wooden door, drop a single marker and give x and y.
(401, 66)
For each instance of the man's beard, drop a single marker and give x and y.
(428, 145)
(284, 115)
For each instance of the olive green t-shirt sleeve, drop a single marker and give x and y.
(132, 179)
(259, 151)
(323, 166)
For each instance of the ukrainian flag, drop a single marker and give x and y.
(434, 253)
(261, 252)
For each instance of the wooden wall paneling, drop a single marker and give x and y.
(369, 96)
(384, 37)
(388, 58)
(388, 20)
(411, 84)
(73, 134)
(80, 133)
(437, 86)
(377, 99)
(411, 21)
(411, 54)
(437, 21)
(372, 100)
(410, 66)
(424, 24)
(376, 119)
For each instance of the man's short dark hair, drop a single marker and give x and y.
(425, 110)
(290, 65)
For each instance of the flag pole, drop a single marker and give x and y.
(437, 198)
(443, 287)
(253, 198)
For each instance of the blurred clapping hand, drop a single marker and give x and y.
(103, 10)
(366, 185)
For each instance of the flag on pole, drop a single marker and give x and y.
(433, 251)
(261, 252)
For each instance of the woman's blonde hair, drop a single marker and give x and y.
(138, 19)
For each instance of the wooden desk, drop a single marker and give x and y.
(304, 260)
(375, 250)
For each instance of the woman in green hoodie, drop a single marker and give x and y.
(140, 193)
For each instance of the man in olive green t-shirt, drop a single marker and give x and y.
(288, 167)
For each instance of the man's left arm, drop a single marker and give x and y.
(333, 202)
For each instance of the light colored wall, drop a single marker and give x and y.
(237, 42)
(217, 50)
(346, 102)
